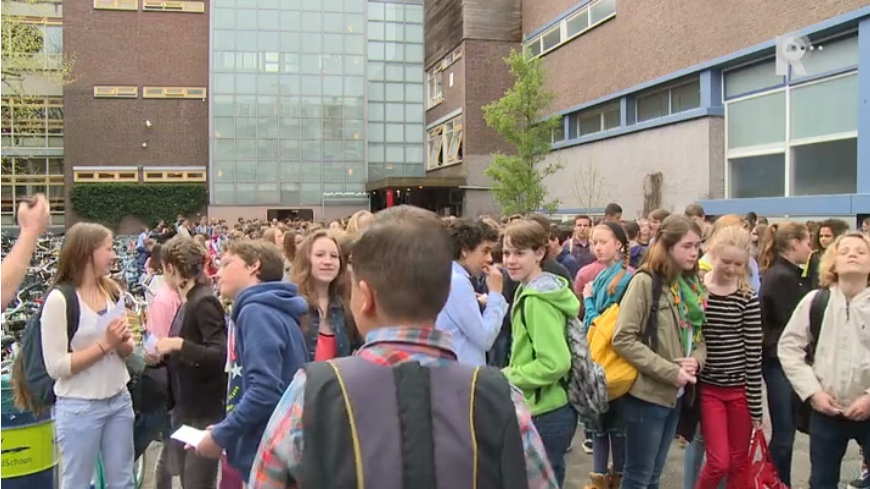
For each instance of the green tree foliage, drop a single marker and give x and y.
(25, 47)
(518, 179)
(108, 203)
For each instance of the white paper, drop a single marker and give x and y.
(189, 435)
(150, 343)
(114, 312)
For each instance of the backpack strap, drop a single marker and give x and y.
(818, 304)
(73, 310)
(415, 418)
(649, 335)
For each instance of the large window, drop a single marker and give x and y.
(23, 177)
(678, 98)
(794, 138)
(32, 122)
(571, 27)
(445, 144)
(434, 89)
(42, 46)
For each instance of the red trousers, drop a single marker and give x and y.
(727, 430)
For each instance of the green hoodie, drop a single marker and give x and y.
(540, 357)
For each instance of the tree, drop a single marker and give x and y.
(589, 188)
(518, 179)
(28, 47)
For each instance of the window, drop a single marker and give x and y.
(180, 174)
(668, 101)
(757, 176)
(434, 94)
(759, 76)
(598, 119)
(800, 139)
(97, 175)
(32, 122)
(571, 27)
(174, 92)
(116, 4)
(47, 51)
(445, 144)
(20, 178)
(193, 7)
(558, 134)
(101, 91)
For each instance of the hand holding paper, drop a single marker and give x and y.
(188, 435)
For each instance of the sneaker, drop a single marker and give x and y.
(862, 482)
(587, 446)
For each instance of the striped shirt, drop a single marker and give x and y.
(733, 338)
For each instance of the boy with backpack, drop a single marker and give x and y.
(378, 418)
(266, 348)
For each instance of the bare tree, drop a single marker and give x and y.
(589, 187)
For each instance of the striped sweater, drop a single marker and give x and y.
(733, 337)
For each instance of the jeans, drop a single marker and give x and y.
(828, 443)
(556, 429)
(780, 400)
(90, 428)
(727, 427)
(650, 431)
(610, 439)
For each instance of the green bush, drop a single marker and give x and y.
(108, 203)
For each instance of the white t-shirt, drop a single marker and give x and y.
(102, 380)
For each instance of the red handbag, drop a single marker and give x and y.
(762, 473)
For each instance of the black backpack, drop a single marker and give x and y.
(34, 388)
(818, 304)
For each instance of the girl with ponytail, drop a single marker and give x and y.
(787, 247)
(195, 352)
(610, 246)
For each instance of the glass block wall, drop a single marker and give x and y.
(289, 84)
(395, 75)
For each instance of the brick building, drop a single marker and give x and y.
(137, 107)
(666, 103)
(466, 43)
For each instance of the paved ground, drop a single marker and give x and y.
(581, 464)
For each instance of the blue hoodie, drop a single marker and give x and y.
(266, 349)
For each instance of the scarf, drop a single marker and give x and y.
(691, 299)
(601, 297)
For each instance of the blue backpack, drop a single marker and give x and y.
(33, 387)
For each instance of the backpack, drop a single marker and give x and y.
(585, 383)
(409, 426)
(818, 304)
(620, 375)
(34, 388)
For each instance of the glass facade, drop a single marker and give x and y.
(301, 93)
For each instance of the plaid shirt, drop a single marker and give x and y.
(279, 459)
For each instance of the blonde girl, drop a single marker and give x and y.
(730, 384)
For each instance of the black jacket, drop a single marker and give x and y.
(197, 377)
(782, 287)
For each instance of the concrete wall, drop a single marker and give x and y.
(685, 153)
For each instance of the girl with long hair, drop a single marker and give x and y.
(319, 272)
(540, 357)
(289, 247)
(195, 352)
(787, 246)
(836, 382)
(669, 358)
(730, 392)
(93, 414)
(829, 230)
(610, 246)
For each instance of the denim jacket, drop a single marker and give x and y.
(336, 314)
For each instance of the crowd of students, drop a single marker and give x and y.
(354, 354)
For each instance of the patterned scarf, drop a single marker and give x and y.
(691, 299)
